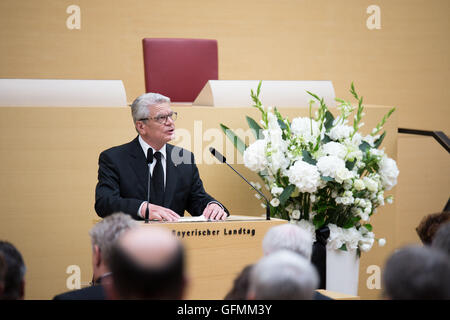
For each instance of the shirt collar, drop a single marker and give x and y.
(145, 146)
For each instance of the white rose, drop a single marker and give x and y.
(371, 185)
(381, 242)
(276, 191)
(295, 214)
(359, 185)
(275, 202)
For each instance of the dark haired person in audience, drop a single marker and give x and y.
(283, 275)
(175, 181)
(147, 263)
(103, 236)
(417, 273)
(240, 285)
(441, 239)
(2, 274)
(14, 275)
(430, 224)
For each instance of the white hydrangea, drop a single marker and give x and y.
(301, 127)
(340, 132)
(334, 167)
(255, 156)
(304, 176)
(334, 149)
(388, 172)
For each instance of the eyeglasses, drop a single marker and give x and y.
(162, 119)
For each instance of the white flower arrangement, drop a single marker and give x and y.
(320, 171)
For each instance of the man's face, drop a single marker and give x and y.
(155, 133)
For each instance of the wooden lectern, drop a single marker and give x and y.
(217, 251)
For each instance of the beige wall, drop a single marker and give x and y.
(404, 64)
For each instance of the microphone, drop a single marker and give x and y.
(149, 160)
(222, 159)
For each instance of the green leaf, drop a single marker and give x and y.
(237, 142)
(368, 227)
(282, 124)
(314, 95)
(379, 140)
(326, 139)
(318, 221)
(364, 146)
(350, 164)
(255, 127)
(328, 120)
(343, 247)
(326, 178)
(307, 158)
(284, 196)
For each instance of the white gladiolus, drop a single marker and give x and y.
(255, 156)
(304, 176)
(301, 127)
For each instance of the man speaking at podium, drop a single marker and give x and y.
(175, 186)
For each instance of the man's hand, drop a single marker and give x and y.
(214, 212)
(159, 213)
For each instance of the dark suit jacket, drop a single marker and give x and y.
(123, 178)
(89, 293)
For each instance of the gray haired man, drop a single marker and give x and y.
(103, 237)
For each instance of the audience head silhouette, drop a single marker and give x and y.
(14, 272)
(441, 239)
(147, 263)
(417, 273)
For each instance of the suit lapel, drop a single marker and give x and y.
(139, 165)
(171, 180)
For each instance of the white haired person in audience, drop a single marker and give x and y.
(290, 237)
(14, 272)
(417, 273)
(103, 236)
(283, 275)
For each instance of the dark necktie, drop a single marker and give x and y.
(157, 190)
